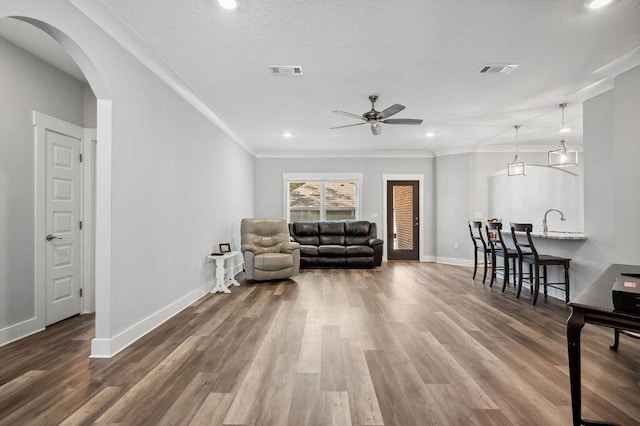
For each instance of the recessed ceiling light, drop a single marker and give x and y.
(596, 4)
(228, 4)
(287, 135)
(429, 134)
(565, 130)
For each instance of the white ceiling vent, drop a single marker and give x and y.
(497, 68)
(287, 70)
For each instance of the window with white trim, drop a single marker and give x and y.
(322, 197)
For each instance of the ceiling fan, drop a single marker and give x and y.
(374, 118)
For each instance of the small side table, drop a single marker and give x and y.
(224, 275)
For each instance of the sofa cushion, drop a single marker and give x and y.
(357, 227)
(309, 262)
(332, 251)
(357, 232)
(273, 261)
(359, 251)
(331, 228)
(306, 233)
(331, 233)
(332, 262)
(336, 240)
(308, 251)
(360, 262)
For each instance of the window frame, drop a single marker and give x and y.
(323, 178)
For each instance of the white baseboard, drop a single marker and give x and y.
(107, 348)
(454, 261)
(18, 331)
(100, 348)
(422, 259)
(551, 292)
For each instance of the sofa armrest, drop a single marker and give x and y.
(374, 242)
(289, 247)
(377, 245)
(249, 262)
(250, 247)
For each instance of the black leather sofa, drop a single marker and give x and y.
(337, 244)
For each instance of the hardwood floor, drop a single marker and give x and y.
(405, 344)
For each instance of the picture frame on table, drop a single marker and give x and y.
(225, 248)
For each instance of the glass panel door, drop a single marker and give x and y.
(403, 220)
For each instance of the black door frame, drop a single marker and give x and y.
(413, 254)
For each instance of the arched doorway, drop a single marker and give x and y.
(26, 323)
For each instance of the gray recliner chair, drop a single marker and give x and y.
(268, 252)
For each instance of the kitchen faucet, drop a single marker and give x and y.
(544, 221)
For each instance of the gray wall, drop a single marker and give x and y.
(179, 184)
(452, 208)
(462, 182)
(26, 83)
(611, 129)
(90, 114)
(626, 152)
(270, 188)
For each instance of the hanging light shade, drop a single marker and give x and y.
(517, 167)
(563, 156)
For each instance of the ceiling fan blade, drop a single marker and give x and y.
(348, 125)
(402, 121)
(348, 114)
(392, 110)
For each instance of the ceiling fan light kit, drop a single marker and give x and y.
(375, 118)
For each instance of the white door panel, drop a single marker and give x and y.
(62, 220)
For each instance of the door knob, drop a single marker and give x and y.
(52, 237)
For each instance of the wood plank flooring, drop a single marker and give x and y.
(405, 344)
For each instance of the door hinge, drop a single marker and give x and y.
(81, 158)
(81, 225)
(80, 292)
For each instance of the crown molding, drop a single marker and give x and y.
(489, 149)
(345, 154)
(108, 21)
(493, 149)
(621, 64)
(610, 71)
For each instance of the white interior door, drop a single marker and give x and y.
(62, 221)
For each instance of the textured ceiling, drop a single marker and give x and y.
(424, 54)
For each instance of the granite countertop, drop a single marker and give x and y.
(560, 235)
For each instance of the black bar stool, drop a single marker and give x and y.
(500, 249)
(480, 246)
(537, 260)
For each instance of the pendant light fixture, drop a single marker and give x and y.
(563, 156)
(517, 166)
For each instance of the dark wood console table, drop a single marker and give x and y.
(594, 306)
